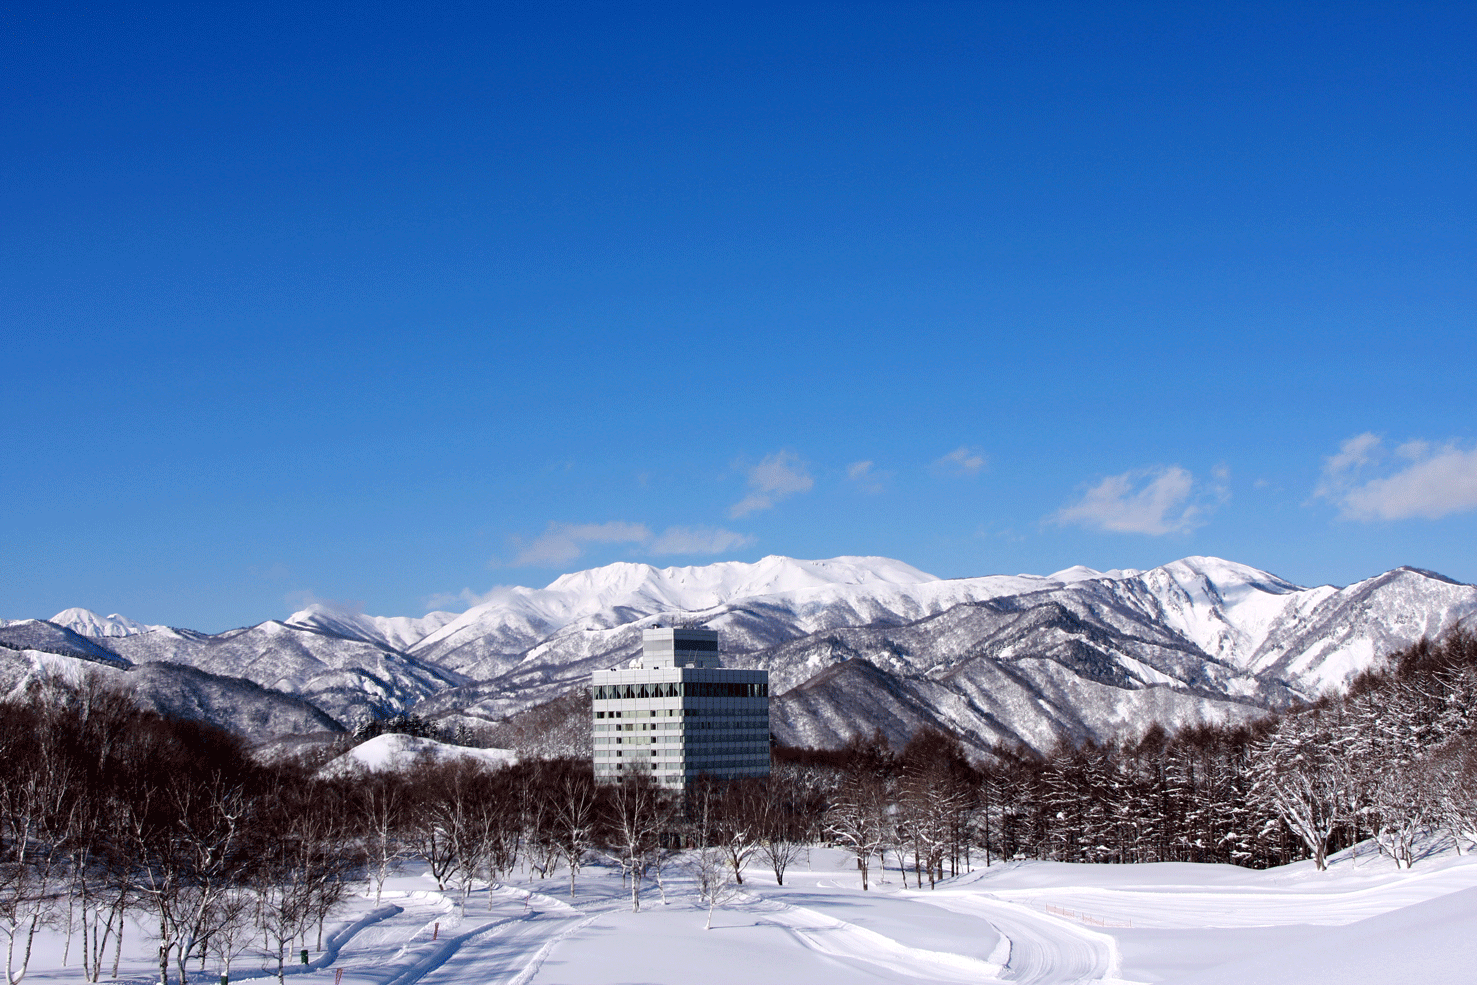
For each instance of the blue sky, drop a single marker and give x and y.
(390, 306)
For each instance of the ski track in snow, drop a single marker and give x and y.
(841, 939)
(508, 949)
(506, 934)
(420, 939)
(1041, 948)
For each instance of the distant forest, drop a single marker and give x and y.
(106, 810)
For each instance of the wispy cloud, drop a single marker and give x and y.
(698, 540)
(305, 598)
(1339, 470)
(466, 598)
(777, 477)
(277, 571)
(1156, 501)
(866, 476)
(964, 460)
(1433, 481)
(563, 542)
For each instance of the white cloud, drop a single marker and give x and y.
(1146, 501)
(1354, 453)
(866, 476)
(467, 598)
(305, 598)
(1438, 482)
(563, 542)
(698, 540)
(964, 460)
(778, 477)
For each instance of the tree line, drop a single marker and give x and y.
(1391, 759)
(107, 812)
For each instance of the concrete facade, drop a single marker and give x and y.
(680, 714)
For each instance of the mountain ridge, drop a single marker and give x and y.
(1079, 654)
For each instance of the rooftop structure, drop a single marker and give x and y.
(680, 714)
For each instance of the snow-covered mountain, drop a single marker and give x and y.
(853, 642)
(348, 678)
(395, 632)
(44, 636)
(89, 623)
(171, 689)
(599, 613)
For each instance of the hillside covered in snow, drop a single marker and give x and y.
(851, 643)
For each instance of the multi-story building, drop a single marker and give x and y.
(680, 714)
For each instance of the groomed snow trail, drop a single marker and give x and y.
(423, 938)
(1164, 922)
(502, 944)
(1044, 950)
(841, 939)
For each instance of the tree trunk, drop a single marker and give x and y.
(86, 948)
(163, 952)
(117, 948)
(67, 948)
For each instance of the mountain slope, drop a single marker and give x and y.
(395, 632)
(85, 622)
(48, 637)
(1092, 656)
(181, 692)
(349, 679)
(1081, 653)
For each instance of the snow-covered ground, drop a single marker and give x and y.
(393, 751)
(1362, 921)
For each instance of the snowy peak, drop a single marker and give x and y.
(85, 622)
(698, 587)
(1103, 649)
(1077, 572)
(1228, 577)
(396, 632)
(516, 619)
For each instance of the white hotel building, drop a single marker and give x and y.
(680, 714)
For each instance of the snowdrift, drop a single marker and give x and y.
(404, 752)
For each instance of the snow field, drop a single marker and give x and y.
(395, 752)
(1362, 921)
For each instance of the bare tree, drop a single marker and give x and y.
(231, 918)
(434, 820)
(35, 824)
(575, 817)
(858, 819)
(383, 811)
(286, 883)
(1302, 779)
(633, 815)
(784, 822)
(738, 824)
(1451, 776)
(715, 881)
